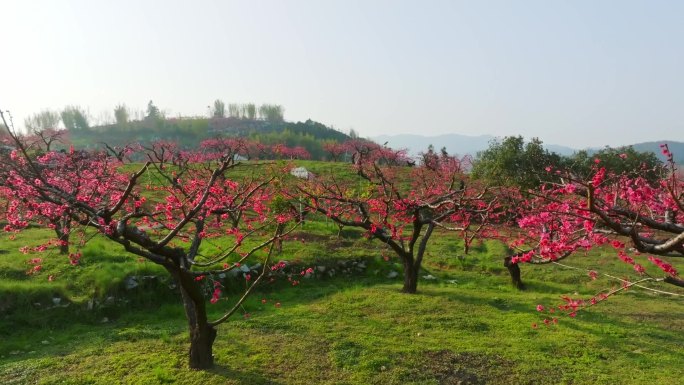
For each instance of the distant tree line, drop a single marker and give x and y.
(513, 162)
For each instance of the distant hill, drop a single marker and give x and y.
(189, 132)
(676, 148)
(454, 143)
(464, 144)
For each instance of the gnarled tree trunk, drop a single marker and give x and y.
(62, 229)
(514, 271)
(410, 276)
(202, 334)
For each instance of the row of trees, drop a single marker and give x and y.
(513, 162)
(200, 196)
(77, 119)
(268, 112)
(73, 118)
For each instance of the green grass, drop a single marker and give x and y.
(468, 325)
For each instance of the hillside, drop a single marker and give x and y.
(677, 148)
(191, 131)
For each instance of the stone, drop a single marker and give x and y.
(56, 301)
(321, 269)
(392, 274)
(429, 277)
(130, 283)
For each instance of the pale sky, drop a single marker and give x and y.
(576, 73)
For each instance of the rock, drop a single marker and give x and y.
(361, 265)
(104, 320)
(452, 281)
(320, 269)
(151, 278)
(429, 276)
(110, 300)
(245, 269)
(45, 342)
(222, 275)
(130, 283)
(257, 267)
(392, 274)
(56, 301)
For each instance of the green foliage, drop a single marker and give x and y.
(153, 112)
(189, 132)
(43, 120)
(219, 110)
(512, 162)
(250, 111)
(619, 160)
(74, 119)
(272, 112)
(121, 115)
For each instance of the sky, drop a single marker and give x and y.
(575, 73)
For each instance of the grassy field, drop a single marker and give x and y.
(467, 326)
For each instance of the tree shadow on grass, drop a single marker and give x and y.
(610, 330)
(140, 324)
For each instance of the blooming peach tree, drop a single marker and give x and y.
(163, 211)
(398, 205)
(641, 220)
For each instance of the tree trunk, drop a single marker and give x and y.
(202, 335)
(410, 277)
(64, 247)
(62, 229)
(514, 271)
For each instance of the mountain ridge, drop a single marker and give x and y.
(472, 144)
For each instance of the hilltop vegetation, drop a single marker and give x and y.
(192, 131)
(265, 124)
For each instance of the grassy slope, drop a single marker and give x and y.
(339, 330)
(469, 325)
